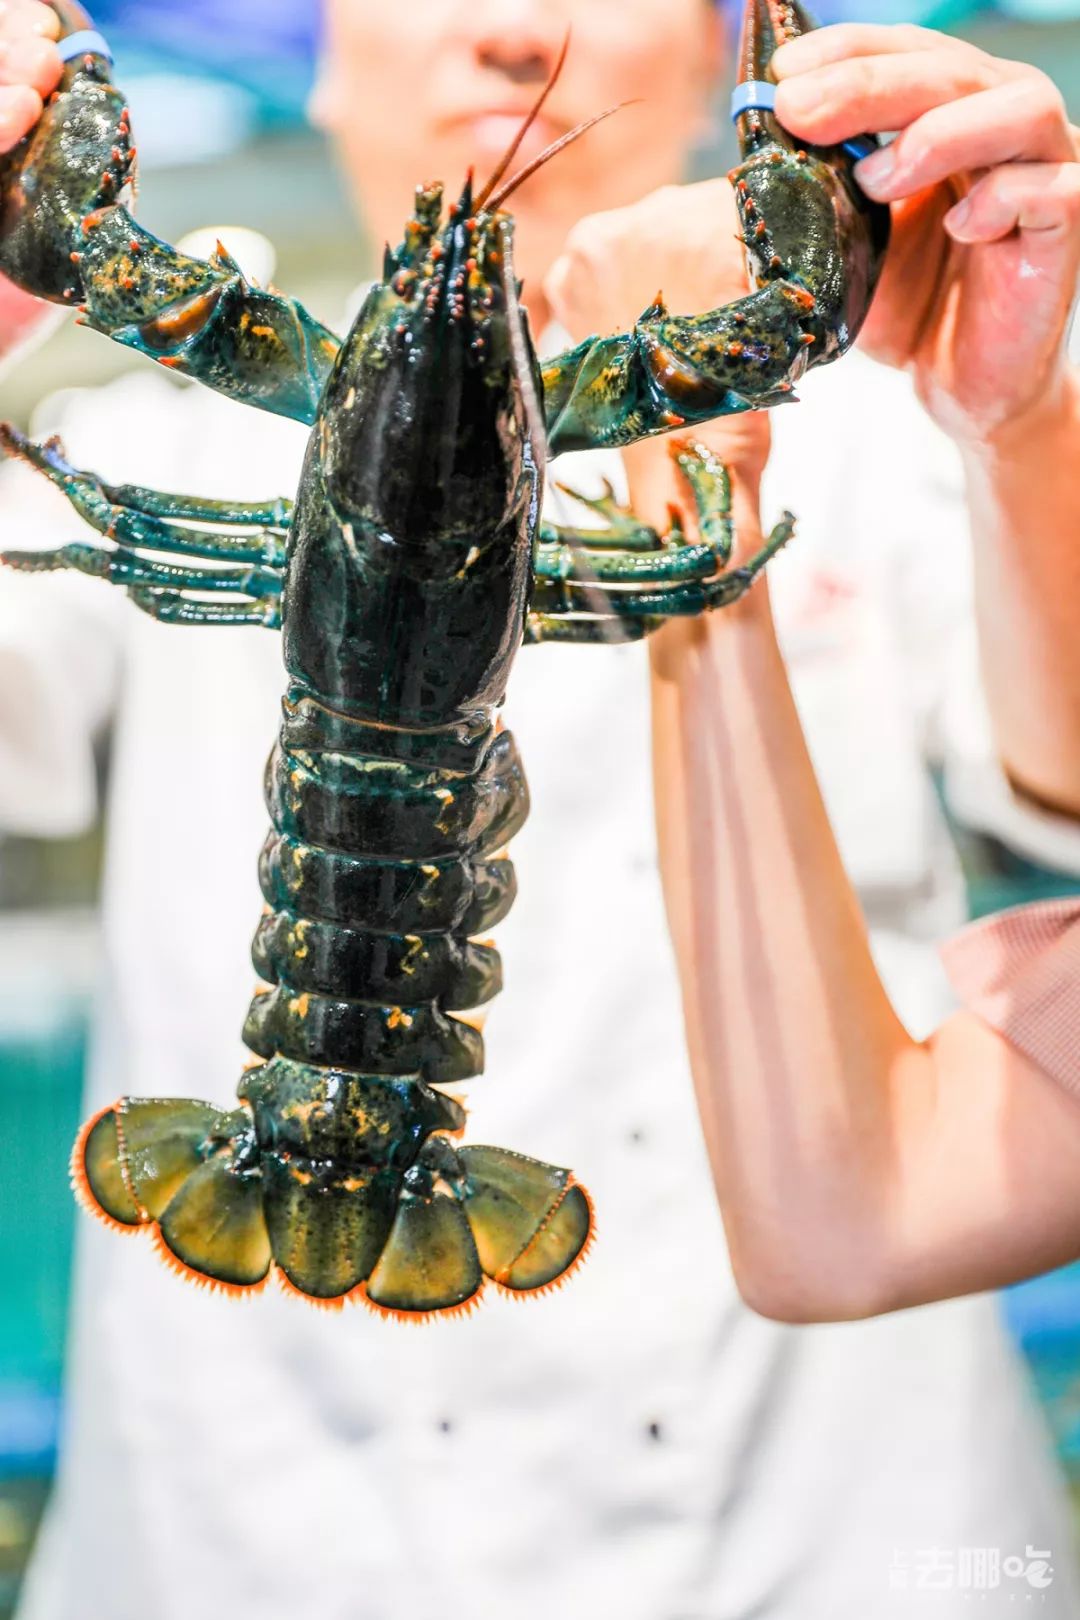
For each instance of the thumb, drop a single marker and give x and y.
(24, 321)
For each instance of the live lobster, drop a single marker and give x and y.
(409, 569)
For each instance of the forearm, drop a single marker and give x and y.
(1024, 494)
(796, 1051)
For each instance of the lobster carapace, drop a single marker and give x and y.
(406, 574)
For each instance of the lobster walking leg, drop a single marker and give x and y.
(620, 526)
(692, 577)
(588, 557)
(581, 563)
(273, 514)
(122, 567)
(592, 631)
(172, 607)
(127, 514)
(687, 601)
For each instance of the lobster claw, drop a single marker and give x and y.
(805, 219)
(768, 24)
(815, 245)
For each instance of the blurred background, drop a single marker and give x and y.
(217, 97)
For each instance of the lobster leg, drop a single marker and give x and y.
(686, 601)
(581, 565)
(621, 527)
(248, 565)
(122, 567)
(582, 559)
(545, 627)
(137, 525)
(172, 607)
(691, 577)
(275, 514)
(65, 235)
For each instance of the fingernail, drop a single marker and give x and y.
(876, 173)
(958, 216)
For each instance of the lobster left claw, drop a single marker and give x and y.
(815, 246)
(66, 234)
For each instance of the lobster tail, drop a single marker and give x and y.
(225, 1210)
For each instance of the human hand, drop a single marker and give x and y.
(984, 182)
(30, 66)
(686, 242)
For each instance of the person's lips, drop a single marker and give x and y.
(488, 132)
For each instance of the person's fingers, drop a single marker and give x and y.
(1023, 120)
(20, 109)
(844, 41)
(28, 18)
(879, 93)
(1043, 197)
(30, 60)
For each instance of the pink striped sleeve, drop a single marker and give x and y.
(1020, 972)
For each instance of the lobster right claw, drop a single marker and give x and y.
(815, 245)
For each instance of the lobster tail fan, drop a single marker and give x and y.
(163, 1140)
(97, 1173)
(327, 1226)
(430, 1261)
(531, 1221)
(558, 1247)
(214, 1229)
(189, 1168)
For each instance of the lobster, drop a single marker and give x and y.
(404, 576)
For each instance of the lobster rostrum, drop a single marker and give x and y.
(404, 576)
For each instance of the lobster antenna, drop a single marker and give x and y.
(504, 163)
(492, 203)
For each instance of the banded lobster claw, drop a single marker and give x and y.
(805, 220)
(67, 235)
(815, 246)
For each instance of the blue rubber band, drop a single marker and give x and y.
(757, 95)
(87, 42)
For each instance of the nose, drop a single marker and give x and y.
(519, 39)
